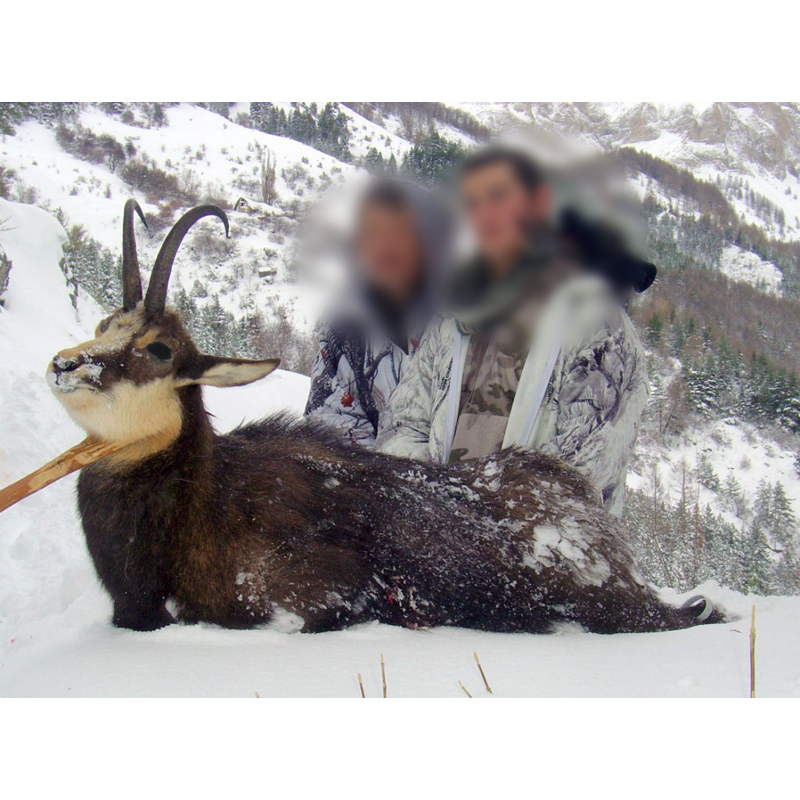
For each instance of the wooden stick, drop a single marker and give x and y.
(81, 455)
(383, 676)
(361, 685)
(753, 653)
(464, 689)
(483, 675)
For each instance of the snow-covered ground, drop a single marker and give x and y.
(55, 636)
(94, 659)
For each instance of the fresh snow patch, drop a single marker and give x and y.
(747, 267)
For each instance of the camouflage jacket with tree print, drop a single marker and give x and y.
(586, 356)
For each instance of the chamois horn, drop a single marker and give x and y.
(131, 278)
(156, 297)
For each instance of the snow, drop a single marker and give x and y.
(367, 134)
(55, 635)
(729, 446)
(234, 406)
(180, 661)
(747, 267)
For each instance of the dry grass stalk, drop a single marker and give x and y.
(753, 653)
(483, 674)
(464, 689)
(81, 455)
(361, 685)
(383, 675)
(258, 695)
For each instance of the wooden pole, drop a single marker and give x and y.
(483, 675)
(81, 455)
(383, 676)
(753, 653)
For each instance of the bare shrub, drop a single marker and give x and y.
(156, 184)
(294, 176)
(23, 193)
(216, 194)
(167, 215)
(190, 184)
(83, 143)
(269, 193)
(212, 247)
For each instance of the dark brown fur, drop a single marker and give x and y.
(279, 515)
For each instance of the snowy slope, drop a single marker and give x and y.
(730, 447)
(366, 134)
(55, 638)
(757, 144)
(218, 156)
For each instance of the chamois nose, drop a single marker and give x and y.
(61, 364)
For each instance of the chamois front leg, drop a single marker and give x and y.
(141, 613)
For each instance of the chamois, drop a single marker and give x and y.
(281, 521)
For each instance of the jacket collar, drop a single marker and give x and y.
(478, 299)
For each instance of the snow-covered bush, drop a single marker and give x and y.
(88, 146)
(5, 271)
(155, 183)
(7, 179)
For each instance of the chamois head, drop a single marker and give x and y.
(124, 385)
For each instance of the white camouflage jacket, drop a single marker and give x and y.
(354, 375)
(581, 393)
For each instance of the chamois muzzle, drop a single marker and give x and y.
(68, 373)
(61, 365)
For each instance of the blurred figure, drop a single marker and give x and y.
(400, 245)
(536, 350)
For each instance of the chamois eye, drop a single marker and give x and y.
(160, 351)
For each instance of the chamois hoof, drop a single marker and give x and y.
(703, 611)
(142, 622)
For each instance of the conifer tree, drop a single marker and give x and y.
(757, 567)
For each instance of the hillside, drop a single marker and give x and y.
(753, 149)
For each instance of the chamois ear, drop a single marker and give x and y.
(220, 371)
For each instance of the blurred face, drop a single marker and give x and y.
(500, 211)
(389, 250)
